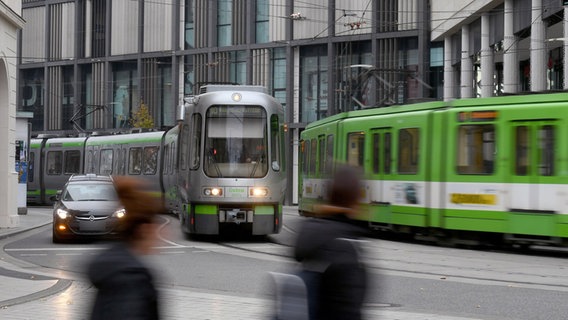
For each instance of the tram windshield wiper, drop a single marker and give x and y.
(260, 160)
(214, 164)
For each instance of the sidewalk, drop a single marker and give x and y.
(25, 295)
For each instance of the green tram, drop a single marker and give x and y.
(467, 171)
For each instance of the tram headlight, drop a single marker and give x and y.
(258, 192)
(213, 192)
(62, 214)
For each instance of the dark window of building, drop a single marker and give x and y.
(99, 28)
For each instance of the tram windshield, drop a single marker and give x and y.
(236, 142)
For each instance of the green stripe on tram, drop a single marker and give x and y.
(205, 209)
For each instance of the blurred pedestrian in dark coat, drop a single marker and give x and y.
(335, 277)
(125, 285)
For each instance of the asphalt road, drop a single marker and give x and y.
(412, 277)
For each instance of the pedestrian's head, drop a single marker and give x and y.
(345, 187)
(140, 206)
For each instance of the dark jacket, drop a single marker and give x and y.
(125, 286)
(332, 265)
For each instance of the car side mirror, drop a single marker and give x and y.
(57, 196)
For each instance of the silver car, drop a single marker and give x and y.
(87, 206)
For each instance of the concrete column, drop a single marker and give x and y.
(487, 65)
(510, 54)
(565, 22)
(538, 48)
(448, 70)
(466, 65)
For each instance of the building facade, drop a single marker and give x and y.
(10, 23)
(89, 64)
(497, 47)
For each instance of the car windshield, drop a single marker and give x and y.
(90, 192)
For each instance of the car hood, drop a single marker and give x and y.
(88, 206)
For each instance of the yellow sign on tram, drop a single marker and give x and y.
(473, 198)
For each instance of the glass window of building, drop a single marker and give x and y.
(238, 67)
(68, 99)
(125, 92)
(351, 84)
(32, 90)
(313, 77)
(189, 25)
(279, 75)
(224, 22)
(262, 21)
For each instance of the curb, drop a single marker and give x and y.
(59, 286)
(22, 230)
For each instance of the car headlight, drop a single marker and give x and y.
(119, 213)
(62, 214)
(213, 192)
(258, 192)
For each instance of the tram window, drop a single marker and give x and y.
(355, 149)
(313, 156)
(275, 143)
(195, 142)
(72, 161)
(408, 149)
(184, 147)
(387, 159)
(106, 161)
(173, 156)
(321, 156)
(166, 161)
(329, 155)
(376, 148)
(54, 162)
(90, 166)
(303, 156)
(546, 150)
(476, 149)
(522, 151)
(31, 167)
(135, 161)
(150, 160)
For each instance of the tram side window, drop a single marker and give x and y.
(195, 142)
(135, 161)
(303, 157)
(387, 153)
(275, 143)
(150, 160)
(546, 150)
(329, 155)
(54, 163)
(31, 166)
(184, 147)
(356, 149)
(173, 157)
(166, 163)
(72, 161)
(313, 156)
(90, 167)
(106, 161)
(376, 148)
(321, 156)
(408, 150)
(476, 149)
